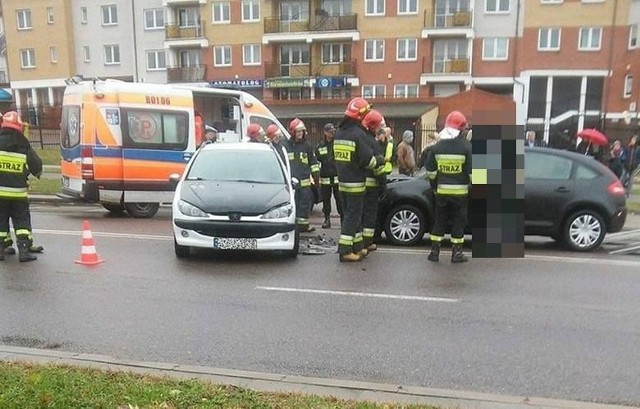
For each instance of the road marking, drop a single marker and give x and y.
(625, 249)
(620, 234)
(105, 234)
(358, 294)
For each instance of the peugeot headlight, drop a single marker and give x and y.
(279, 212)
(190, 210)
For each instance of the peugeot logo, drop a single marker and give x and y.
(235, 217)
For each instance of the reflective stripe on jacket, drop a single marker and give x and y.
(449, 165)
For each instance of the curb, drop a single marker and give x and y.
(267, 382)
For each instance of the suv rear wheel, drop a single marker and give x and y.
(584, 230)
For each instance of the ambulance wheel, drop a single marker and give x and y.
(142, 210)
(113, 208)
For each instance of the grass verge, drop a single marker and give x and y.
(49, 156)
(633, 207)
(56, 386)
(45, 186)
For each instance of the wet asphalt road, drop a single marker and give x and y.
(555, 324)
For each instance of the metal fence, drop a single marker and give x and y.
(42, 125)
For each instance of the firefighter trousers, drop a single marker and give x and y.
(370, 214)
(351, 230)
(303, 197)
(327, 189)
(450, 210)
(18, 211)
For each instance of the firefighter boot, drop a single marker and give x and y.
(6, 247)
(457, 256)
(372, 247)
(435, 253)
(35, 249)
(2, 255)
(23, 251)
(350, 257)
(327, 222)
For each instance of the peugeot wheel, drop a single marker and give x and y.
(584, 230)
(405, 225)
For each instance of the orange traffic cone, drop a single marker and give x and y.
(89, 257)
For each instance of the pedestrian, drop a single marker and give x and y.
(304, 165)
(372, 122)
(353, 157)
(17, 161)
(406, 154)
(275, 137)
(328, 174)
(531, 140)
(432, 139)
(449, 171)
(386, 144)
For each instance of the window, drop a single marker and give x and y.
(53, 54)
(231, 165)
(633, 36)
(153, 19)
(374, 8)
(496, 6)
(407, 6)
(251, 10)
(628, 86)
(405, 91)
(112, 54)
(406, 49)
(24, 19)
(222, 56)
(584, 172)
(551, 1)
(109, 15)
(70, 126)
(188, 17)
(495, 48)
(87, 53)
(156, 60)
(549, 39)
(154, 129)
(373, 91)
(542, 166)
(221, 12)
(251, 54)
(335, 53)
(590, 38)
(28, 58)
(374, 50)
(84, 15)
(50, 17)
(451, 56)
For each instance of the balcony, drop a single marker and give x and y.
(448, 24)
(319, 27)
(446, 70)
(195, 73)
(276, 70)
(181, 36)
(174, 3)
(345, 68)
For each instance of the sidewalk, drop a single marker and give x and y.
(268, 382)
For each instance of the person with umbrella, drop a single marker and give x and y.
(591, 136)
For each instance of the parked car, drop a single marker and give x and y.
(235, 196)
(570, 197)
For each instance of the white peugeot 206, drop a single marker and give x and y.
(235, 196)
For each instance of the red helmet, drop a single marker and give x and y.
(273, 131)
(357, 108)
(12, 120)
(255, 132)
(373, 120)
(456, 120)
(296, 125)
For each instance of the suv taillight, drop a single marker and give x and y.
(86, 157)
(616, 189)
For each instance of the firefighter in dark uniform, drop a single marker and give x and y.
(449, 170)
(353, 157)
(275, 136)
(256, 134)
(375, 181)
(303, 165)
(328, 174)
(17, 161)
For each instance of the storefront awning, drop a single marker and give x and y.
(389, 110)
(5, 95)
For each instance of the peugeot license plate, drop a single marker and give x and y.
(220, 243)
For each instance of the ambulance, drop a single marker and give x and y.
(121, 141)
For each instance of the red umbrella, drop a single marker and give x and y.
(593, 136)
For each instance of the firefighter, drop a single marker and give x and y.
(372, 122)
(275, 136)
(353, 157)
(328, 174)
(449, 170)
(303, 165)
(256, 133)
(17, 160)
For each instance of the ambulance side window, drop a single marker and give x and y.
(70, 126)
(153, 129)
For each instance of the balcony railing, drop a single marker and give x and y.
(462, 18)
(195, 73)
(339, 69)
(276, 69)
(453, 66)
(178, 32)
(319, 22)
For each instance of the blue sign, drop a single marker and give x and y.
(331, 82)
(245, 83)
